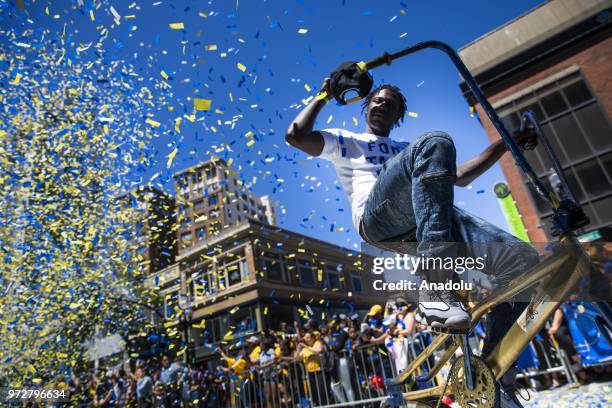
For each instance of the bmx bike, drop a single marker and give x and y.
(473, 381)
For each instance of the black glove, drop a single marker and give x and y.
(349, 77)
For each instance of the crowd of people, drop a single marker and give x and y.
(264, 356)
(168, 382)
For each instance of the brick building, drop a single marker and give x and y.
(555, 60)
(151, 220)
(237, 273)
(211, 197)
(252, 276)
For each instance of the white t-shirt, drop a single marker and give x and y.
(358, 158)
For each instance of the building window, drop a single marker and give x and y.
(233, 274)
(201, 233)
(334, 279)
(186, 221)
(272, 266)
(579, 133)
(211, 172)
(204, 281)
(214, 228)
(244, 269)
(186, 239)
(306, 274)
(199, 205)
(170, 305)
(357, 283)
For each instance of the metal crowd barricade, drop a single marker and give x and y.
(355, 378)
(287, 384)
(555, 360)
(352, 377)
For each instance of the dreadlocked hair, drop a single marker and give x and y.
(395, 90)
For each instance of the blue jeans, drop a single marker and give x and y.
(413, 196)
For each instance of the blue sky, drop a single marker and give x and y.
(278, 63)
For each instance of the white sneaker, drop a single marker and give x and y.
(441, 310)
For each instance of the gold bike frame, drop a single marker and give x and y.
(558, 276)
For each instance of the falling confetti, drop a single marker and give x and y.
(201, 104)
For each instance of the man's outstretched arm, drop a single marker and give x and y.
(300, 133)
(471, 169)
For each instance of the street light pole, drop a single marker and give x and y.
(184, 323)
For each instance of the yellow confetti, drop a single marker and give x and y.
(210, 47)
(355, 121)
(201, 104)
(234, 310)
(152, 122)
(177, 125)
(91, 15)
(171, 156)
(250, 142)
(241, 67)
(59, 60)
(302, 31)
(308, 88)
(163, 73)
(177, 26)
(413, 114)
(16, 80)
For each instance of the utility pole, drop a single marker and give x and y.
(184, 324)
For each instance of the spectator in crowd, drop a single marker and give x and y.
(559, 334)
(374, 318)
(310, 351)
(170, 374)
(254, 349)
(144, 387)
(239, 367)
(268, 374)
(286, 330)
(159, 397)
